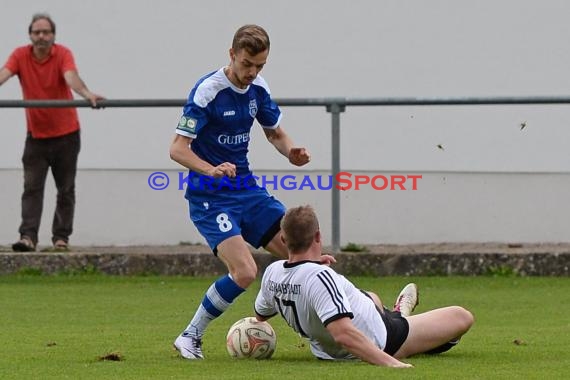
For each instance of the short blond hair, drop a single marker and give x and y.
(299, 227)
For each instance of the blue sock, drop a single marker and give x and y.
(218, 298)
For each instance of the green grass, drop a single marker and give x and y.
(56, 327)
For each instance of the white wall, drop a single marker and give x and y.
(118, 207)
(369, 48)
(440, 48)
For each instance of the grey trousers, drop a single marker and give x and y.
(60, 154)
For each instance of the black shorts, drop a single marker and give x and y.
(397, 329)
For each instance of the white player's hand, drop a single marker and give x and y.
(327, 260)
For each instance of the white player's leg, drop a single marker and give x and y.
(435, 328)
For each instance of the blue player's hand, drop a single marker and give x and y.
(225, 169)
(299, 156)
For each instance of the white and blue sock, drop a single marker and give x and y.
(217, 299)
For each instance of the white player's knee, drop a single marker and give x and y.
(464, 318)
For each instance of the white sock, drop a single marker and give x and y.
(217, 299)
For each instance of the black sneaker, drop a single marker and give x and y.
(25, 244)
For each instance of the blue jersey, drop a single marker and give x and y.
(218, 117)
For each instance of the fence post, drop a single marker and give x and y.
(335, 108)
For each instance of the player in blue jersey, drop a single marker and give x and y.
(226, 205)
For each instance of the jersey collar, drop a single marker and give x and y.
(233, 86)
(287, 264)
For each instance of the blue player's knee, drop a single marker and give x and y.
(245, 276)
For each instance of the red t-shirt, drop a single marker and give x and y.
(44, 80)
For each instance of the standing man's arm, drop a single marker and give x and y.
(76, 83)
(281, 141)
(5, 74)
(347, 335)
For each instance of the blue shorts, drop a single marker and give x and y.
(252, 213)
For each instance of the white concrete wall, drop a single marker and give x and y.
(118, 207)
(321, 48)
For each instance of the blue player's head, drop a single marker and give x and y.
(248, 54)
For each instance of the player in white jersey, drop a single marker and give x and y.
(340, 320)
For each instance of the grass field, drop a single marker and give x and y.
(58, 327)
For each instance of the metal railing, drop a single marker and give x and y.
(333, 105)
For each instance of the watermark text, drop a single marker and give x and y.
(341, 181)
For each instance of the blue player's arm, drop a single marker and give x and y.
(281, 141)
(180, 152)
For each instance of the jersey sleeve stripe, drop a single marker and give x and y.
(274, 125)
(336, 317)
(331, 289)
(265, 316)
(184, 133)
(335, 289)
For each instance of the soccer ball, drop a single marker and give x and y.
(250, 338)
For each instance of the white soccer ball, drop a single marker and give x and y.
(250, 338)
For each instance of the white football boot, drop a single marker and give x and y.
(407, 300)
(189, 346)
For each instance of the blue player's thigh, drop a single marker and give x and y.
(262, 213)
(215, 219)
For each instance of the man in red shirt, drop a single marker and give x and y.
(47, 71)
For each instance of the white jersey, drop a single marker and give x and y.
(309, 296)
